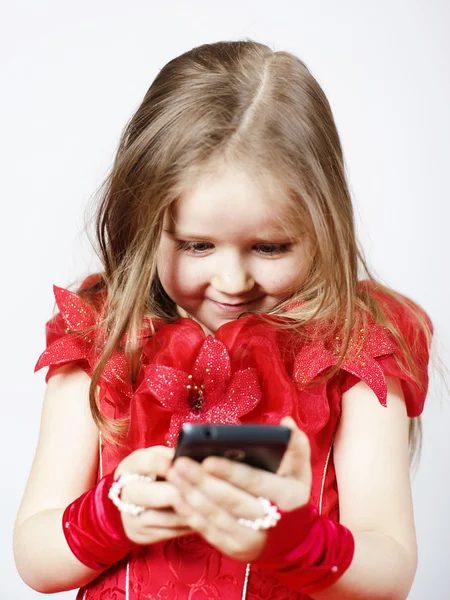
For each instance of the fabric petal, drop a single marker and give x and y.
(379, 342)
(66, 349)
(369, 371)
(414, 391)
(244, 391)
(409, 319)
(116, 373)
(310, 361)
(75, 312)
(212, 367)
(64, 344)
(67, 344)
(168, 385)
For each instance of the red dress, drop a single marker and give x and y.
(252, 371)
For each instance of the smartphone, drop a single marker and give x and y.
(260, 446)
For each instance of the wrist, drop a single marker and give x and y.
(283, 539)
(307, 551)
(94, 530)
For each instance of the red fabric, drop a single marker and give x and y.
(373, 354)
(93, 528)
(414, 389)
(75, 335)
(323, 555)
(285, 370)
(202, 388)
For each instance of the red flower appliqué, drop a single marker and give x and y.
(74, 336)
(209, 393)
(360, 360)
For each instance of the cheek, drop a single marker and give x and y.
(283, 277)
(168, 268)
(180, 275)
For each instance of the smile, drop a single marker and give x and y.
(237, 307)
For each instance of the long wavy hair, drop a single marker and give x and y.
(262, 110)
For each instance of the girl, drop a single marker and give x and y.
(230, 294)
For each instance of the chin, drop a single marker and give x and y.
(211, 326)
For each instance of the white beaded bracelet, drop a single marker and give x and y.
(117, 487)
(271, 517)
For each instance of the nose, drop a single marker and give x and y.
(232, 277)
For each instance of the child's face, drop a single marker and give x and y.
(227, 249)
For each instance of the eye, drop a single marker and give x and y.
(272, 249)
(193, 247)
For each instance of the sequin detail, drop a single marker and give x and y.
(209, 393)
(365, 346)
(79, 338)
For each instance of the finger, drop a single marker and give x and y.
(157, 535)
(156, 494)
(202, 514)
(161, 519)
(286, 492)
(296, 461)
(202, 489)
(173, 533)
(147, 461)
(254, 481)
(220, 529)
(244, 544)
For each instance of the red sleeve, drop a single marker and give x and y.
(412, 323)
(73, 336)
(70, 333)
(375, 354)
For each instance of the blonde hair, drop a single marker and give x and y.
(243, 103)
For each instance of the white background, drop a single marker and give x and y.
(72, 73)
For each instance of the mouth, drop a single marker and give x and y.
(235, 307)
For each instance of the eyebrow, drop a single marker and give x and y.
(280, 237)
(179, 234)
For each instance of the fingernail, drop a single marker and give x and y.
(211, 464)
(185, 466)
(288, 422)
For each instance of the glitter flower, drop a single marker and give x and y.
(208, 393)
(73, 335)
(360, 359)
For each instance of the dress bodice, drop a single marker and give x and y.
(252, 371)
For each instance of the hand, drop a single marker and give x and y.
(159, 521)
(215, 494)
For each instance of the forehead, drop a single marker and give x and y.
(229, 201)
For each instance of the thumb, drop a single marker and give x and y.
(155, 461)
(296, 462)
